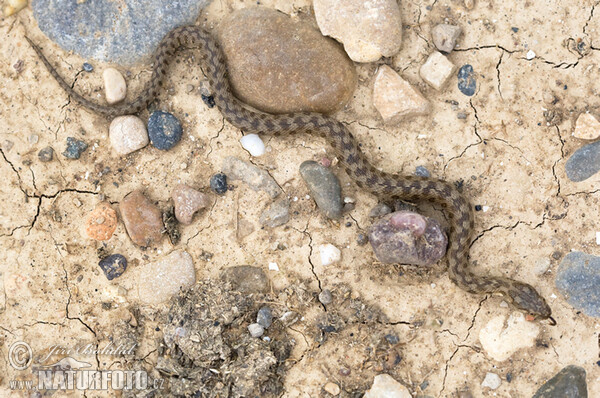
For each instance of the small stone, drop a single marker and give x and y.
(7, 145)
(587, 127)
(332, 388)
(444, 37)
(246, 279)
(142, 219)
(395, 98)
(164, 130)
(501, 338)
(218, 183)
(436, 70)
(514, 29)
(385, 386)
(469, 4)
(367, 29)
(466, 80)
(584, 163)
(329, 254)
(392, 338)
(325, 297)
(46, 154)
(127, 134)
(74, 148)
(115, 87)
(362, 239)
(209, 100)
(256, 178)
(530, 55)
(187, 201)
(569, 382)
(33, 139)
(101, 222)
(160, 280)
(380, 210)
(278, 213)
(264, 317)
(255, 330)
(253, 144)
(113, 266)
(491, 381)
(422, 171)
(87, 67)
(406, 237)
(324, 187)
(461, 115)
(578, 280)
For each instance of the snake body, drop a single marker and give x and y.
(383, 185)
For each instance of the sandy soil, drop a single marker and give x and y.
(508, 151)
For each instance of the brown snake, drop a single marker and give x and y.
(383, 185)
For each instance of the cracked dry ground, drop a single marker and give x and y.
(509, 152)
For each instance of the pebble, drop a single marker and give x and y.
(587, 127)
(256, 330)
(115, 87)
(113, 266)
(444, 37)
(256, 178)
(13, 6)
(329, 254)
(33, 139)
(253, 144)
(395, 98)
(491, 381)
(187, 201)
(436, 70)
(298, 68)
(530, 55)
(466, 80)
(569, 382)
(578, 280)
(88, 67)
(368, 30)
(406, 237)
(421, 171)
(246, 279)
(277, 214)
(469, 4)
(385, 386)
(584, 162)
(218, 183)
(379, 210)
(101, 222)
(46, 154)
(127, 134)
(160, 280)
(501, 338)
(142, 219)
(74, 148)
(332, 388)
(325, 297)
(324, 187)
(264, 317)
(164, 130)
(7, 145)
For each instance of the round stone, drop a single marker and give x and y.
(88, 67)
(142, 219)
(101, 222)
(127, 134)
(256, 330)
(325, 297)
(115, 87)
(164, 130)
(113, 266)
(280, 65)
(253, 144)
(160, 280)
(46, 154)
(218, 183)
(466, 80)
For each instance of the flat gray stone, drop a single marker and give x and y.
(324, 187)
(578, 280)
(584, 163)
(568, 383)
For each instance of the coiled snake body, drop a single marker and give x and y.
(383, 185)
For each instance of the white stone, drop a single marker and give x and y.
(492, 381)
(587, 127)
(367, 29)
(332, 388)
(115, 87)
(253, 144)
(437, 70)
(384, 386)
(256, 330)
(273, 267)
(530, 55)
(444, 37)
(160, 280)
(329, 254)
(127, 134)
(395, 98)
(500, 342)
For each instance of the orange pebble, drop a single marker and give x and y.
(101, 222)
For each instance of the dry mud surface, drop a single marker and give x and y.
(510, 151)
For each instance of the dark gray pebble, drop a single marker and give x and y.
(421, 171)
(209, 100)
(569, 382)
(264, 317)
(324, 187)
(46, 154)
(87, 67)
(584, 163)
(466, 80)
(74, 148)
(578, 280)
(113, 266)
(164, 130)
(218, 183)
(380, 210)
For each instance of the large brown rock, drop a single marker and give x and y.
(142, 219)
(279, 65)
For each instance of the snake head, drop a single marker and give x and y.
(526, 298)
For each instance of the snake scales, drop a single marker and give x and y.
(383, 185)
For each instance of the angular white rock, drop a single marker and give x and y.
(587, 127)
(395, 98)
(367, 29)
(256, 330)
(500, 343)
(160, 280)
(115, 87)
(127, 134)
(253, 144)
(384, 386)
(329, 254)
(444, 36)
(492, 381)
(437, 70)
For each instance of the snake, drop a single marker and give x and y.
(385, 186)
